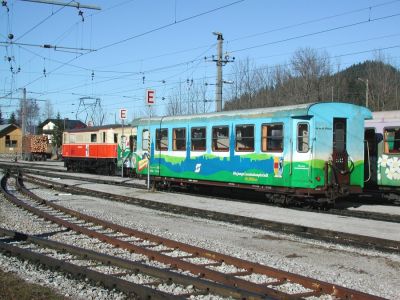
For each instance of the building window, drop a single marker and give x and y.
(391, 140)
(303, 137)
(198, 139)
(145, 139)
(162, 139)
(10, 143)
(220, 138)
(179, 139)
(272, 138)
(245, 138)
(93, 137)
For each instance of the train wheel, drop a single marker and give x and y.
(111, 169)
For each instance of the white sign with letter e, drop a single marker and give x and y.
(150, 97)
(123, 114)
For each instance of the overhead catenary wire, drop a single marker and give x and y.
(42, 21)
(148, 32)
(168, 25)
(229, 74)
(147, 72)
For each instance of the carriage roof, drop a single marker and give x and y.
(298, 110)
(95, 128)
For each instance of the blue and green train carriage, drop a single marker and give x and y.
(311, 151)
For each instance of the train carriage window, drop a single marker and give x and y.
(93, 137)
(302, 137)
(145, 139)
(339, 134)
(198, 141)
(162, 139)
(179, 139)
(391, 140)
(220, 138)
(272, 138)
(245, 138)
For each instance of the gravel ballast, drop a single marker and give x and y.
(365, 270)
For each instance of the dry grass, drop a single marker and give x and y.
(14, 288)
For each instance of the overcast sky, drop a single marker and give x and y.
(116, 53)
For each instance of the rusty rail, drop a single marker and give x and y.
(316, 287)
(335, 237)
(163, 275)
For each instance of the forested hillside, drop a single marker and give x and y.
(309, 78)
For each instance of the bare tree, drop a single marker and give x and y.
(175, 105)
(382, 83)
(31, 117)
(48, 111)
(247, 82)
(310, 67)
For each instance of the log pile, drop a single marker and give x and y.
(35, 143)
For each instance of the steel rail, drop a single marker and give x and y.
(330, 236)
(174, 263)
(41, 171)
(317, 287)
(108, 281)
(164, 275)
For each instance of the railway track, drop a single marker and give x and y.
(298, 230)
(339, 212)
(226, 275)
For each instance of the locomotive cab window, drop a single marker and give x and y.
(245, 138)
(93, 137)
(391, 140)
(115, 138)
(145, 139)
(303, 137)
(220, 138)
(104, 137)
(272, 138)
(198, 141)
(179, 139)
(162, 139)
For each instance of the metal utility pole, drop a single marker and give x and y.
(218, 88)
(220, 62)
(23, 117)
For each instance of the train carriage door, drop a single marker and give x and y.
(301, 156)
(340, 157)
(370, 157)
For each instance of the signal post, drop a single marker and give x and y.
(122, 116)
(150, 99)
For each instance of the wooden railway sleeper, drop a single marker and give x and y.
(327, 288)
(164, 276)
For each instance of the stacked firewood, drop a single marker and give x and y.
(35, 143)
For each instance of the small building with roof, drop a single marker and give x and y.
(10, 139)
(47, 127)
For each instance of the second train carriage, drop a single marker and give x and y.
(313, 151)
(382, 136)
(100, 149)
